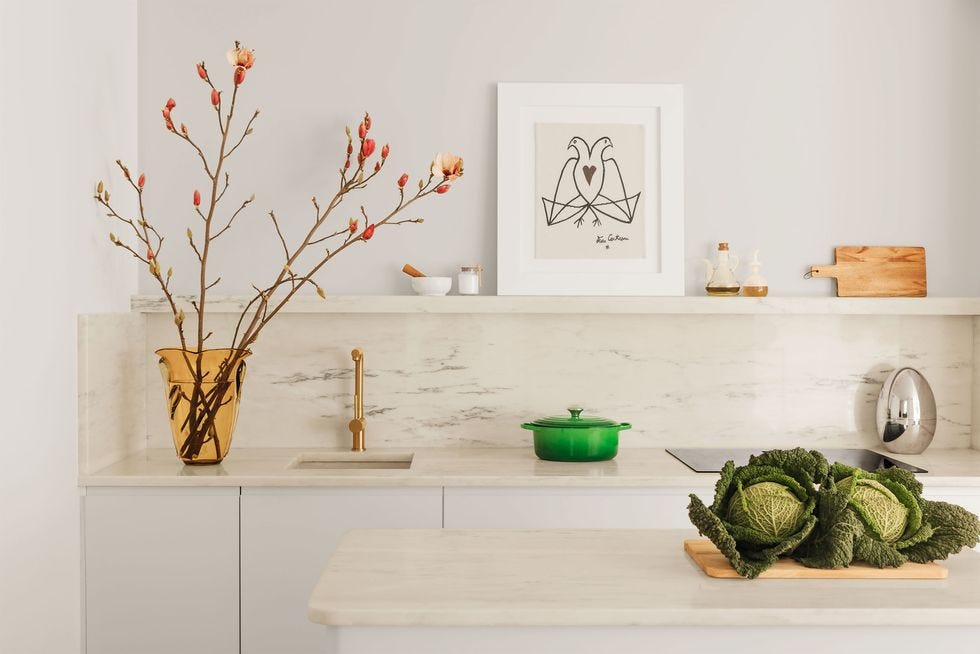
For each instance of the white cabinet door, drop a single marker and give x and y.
(161, 570)
(567, 508)
(288, 534)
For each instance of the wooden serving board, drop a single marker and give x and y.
(714, 564)
(877, 271)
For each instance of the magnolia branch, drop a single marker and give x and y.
(203, 404)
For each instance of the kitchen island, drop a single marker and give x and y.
(476, 590)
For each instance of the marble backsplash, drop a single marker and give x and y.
(697, 380)
(111, 388)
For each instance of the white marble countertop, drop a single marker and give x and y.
(381, 577)
(515, 467)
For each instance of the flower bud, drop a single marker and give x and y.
(99, 188)
(179, 318)
(347, 131)
(112, 238)
(384, 151)
(377, 166)
(403, 180)
(183, 129)
(170, 272)
(105, 196)
(347, 164)
(215, 97)
(368, 232)
(367, 147)
(350, 149)
(352, 225)
(239, 75)
(149, 254)
(170, 104)
(201, 72)
(190, 234)
(367, 120)
(361, 131)
(197, 198)
(319, 291)
(142, 180)
(442, 189)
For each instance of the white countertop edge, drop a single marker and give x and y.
(659, 617)
(634, 468)
(704, 480)
(700, 481)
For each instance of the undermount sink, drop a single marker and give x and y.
(352, 461)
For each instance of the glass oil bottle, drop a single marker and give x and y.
(721, 279)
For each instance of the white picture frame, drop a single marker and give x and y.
(522, 110)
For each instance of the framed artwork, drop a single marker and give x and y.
(590, 189)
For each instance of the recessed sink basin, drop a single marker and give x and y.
(352, 461)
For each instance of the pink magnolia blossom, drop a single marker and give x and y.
(447, 166)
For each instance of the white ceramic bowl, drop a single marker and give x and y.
(432, 285)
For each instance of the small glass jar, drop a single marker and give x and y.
(470, 279)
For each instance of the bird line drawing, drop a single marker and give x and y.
(590, 183)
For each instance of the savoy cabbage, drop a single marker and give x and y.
(762, 510)
(791, 503)
(880, 518)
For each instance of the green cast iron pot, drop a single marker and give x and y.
(576, 438)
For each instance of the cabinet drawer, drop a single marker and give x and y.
(564, 508)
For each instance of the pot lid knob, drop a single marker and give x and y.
(576, 411)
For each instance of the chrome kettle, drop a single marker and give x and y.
(906, 414)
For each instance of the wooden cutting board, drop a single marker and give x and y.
(877, 271)
(714, 564)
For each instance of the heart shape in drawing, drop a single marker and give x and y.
(589, 171)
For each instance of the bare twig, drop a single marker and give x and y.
(233, 216)
(246, 132)
(275, 223)
(227, 182)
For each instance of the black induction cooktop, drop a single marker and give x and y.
(710, 459)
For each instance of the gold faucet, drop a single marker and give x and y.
(356, 425)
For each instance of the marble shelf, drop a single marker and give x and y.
(497, 304)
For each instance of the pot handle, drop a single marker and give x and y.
(527, 425)
(624, 426)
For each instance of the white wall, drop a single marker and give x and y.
(67, 107)
(809, 124)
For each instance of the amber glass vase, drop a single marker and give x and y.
(202, 401)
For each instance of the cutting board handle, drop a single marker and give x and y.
(830, 270)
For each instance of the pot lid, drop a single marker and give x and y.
(576, 419)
